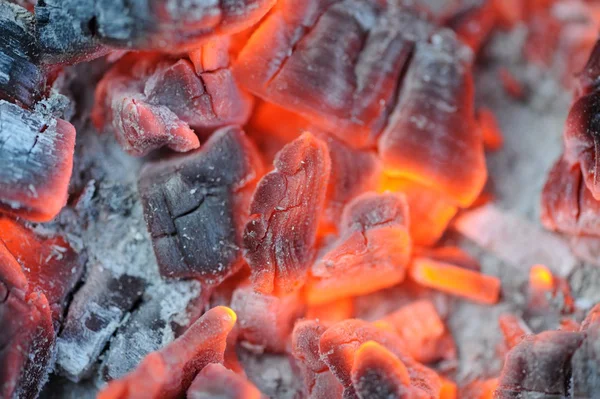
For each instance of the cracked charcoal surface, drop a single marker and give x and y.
(195, 205)
(74, 29)
(280, 236)
(336, 62)
(36, 162)
(22, 79)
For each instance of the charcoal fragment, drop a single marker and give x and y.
(168, 373)
(195, 206)
(280, 236)
(36, 161)
(215, 381)
(22, 80)
(432, 136)
(584, 364)
(372, 252)
(338, 63)
(153, 101)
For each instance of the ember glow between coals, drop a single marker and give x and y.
(296, 160)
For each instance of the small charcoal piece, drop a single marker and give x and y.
(153, 101)
(339, 63)
(513, 329)
(584, 363)
(168, 373)
(473, 22)
(338, 346)
(540, 365)
(50, 265)
(27, 334)
(568, 206)
(35, 164)
(280, 237)
(73, 28)
(266, 321)
(582, 139)
(319, 382)
(94, 315)
(22, 80)
(150, 326)
(372, 252)
(195, 206)
(378, 374)
(430, 212)
(353, 172)
(432, 136)
(215, 381)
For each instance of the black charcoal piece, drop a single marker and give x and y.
(36, 161)
(194, 206)
(21, 79)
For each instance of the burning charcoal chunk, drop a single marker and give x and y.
(568, 206)
(539, 364)
(582, 139)
(27, 334)
(21, 79)
(153, 101)
(215, 381)
(372, 252)
(589, 77)
(95, 313)
(378, 374)
(279, 238)
(432, 136)
(455, 280)
(338, 346)
(168, 373)
(338, 63)
(36, 160)
(430, 213)
(474, 22)
(319, 382)
(50, 265)
(352, 173)
(420, 327)
(195, 206)
(585, 361)
(62, 40)
(150, 326)
(513, 329)
(493, 139)
(75, 26)
(332, 312)
(265, 320)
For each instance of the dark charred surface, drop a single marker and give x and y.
(194, 207)
(280, 237)
(36, 162)
(22, 80)
(337, 62)
(435, 121)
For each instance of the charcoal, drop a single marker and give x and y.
(27, 334)
(50, 265)
(582, 139)
(473, 22)
(149, 328)
(169, 372)
(352, 173)
(589, 77)
(319, 382)
(378, 374)
(94, 315)
(584, 364)
(338, 63)
(372, 252)
(338, 346)
(153, 101)
(280, 236)
(36, 162)
(432, 136)
(266, 321)
(77, 29)
(195, 206)
(539, 364)
(215, 381)
(22, 79)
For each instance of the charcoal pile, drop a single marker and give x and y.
(294, 199)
